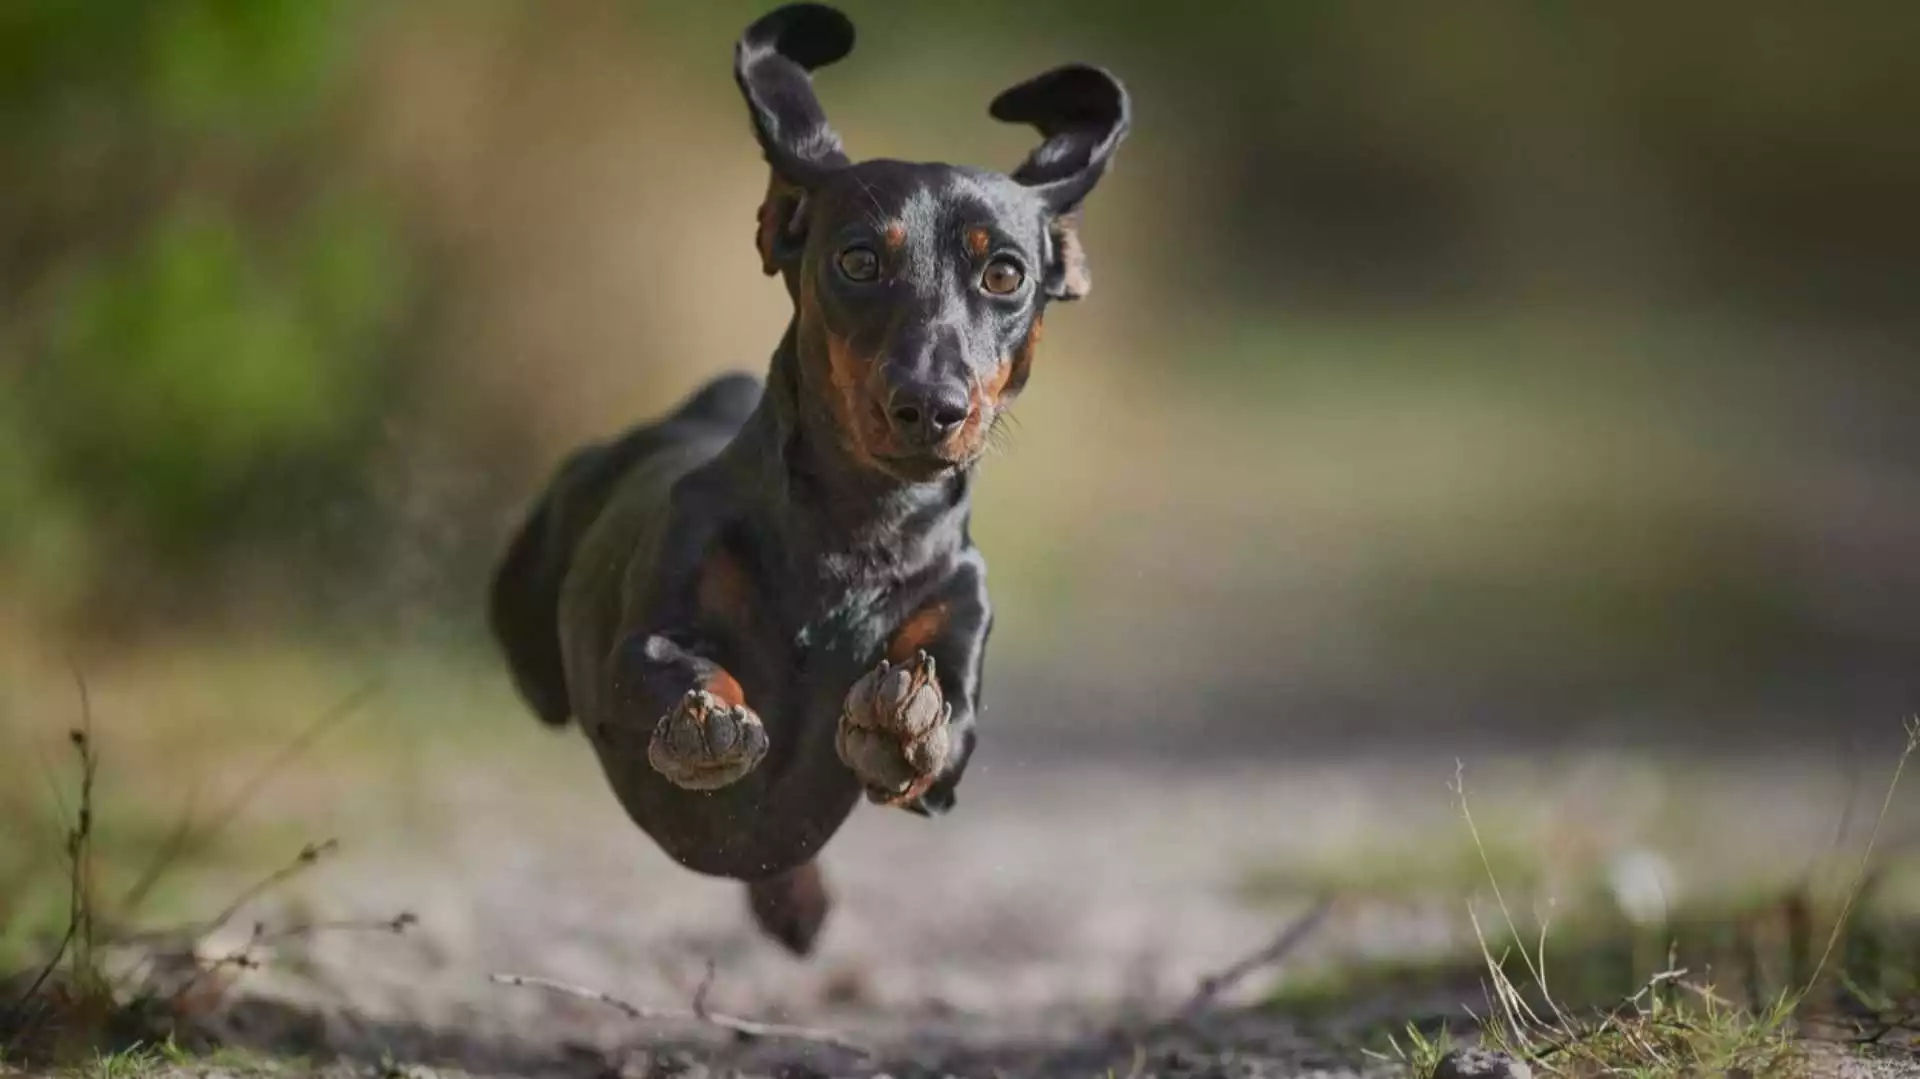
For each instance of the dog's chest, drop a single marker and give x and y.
(849, 624)
(806, 658)
(833, 606)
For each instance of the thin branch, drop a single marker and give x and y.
(396, 925)
(308, 856)
(80, 840)
(78, 938)
(180, 839)
(1273, 952)
(751, 1028)
(341, 711)
(40, 979)
(188, 837)
(242, 958)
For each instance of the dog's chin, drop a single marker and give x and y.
(919, 467)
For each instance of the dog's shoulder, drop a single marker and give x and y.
(611, 498)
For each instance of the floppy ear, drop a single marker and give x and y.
(1082, 113)
(772, 63)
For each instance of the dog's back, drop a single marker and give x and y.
(524, 603)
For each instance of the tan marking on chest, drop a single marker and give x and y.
(918, 632)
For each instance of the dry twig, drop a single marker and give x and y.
(751, 1028)
(1273, 952)
(190, 836)
(309, 855)
(78, 937)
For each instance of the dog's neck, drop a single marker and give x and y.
(827, 513)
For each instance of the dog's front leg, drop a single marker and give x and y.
(907, 727)
(706, 737)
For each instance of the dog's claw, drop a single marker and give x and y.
(704, 743)
(894, 730)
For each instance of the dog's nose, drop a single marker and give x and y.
(926, 414)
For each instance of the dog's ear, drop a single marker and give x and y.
(772, 63)
(1082, 113)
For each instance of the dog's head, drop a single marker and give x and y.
(918, 288)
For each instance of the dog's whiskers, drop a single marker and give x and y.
(1001, 432)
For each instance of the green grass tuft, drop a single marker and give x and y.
(1675, 1025)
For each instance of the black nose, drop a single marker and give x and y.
(926, 415)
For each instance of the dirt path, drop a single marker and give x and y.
(1053, 906)
(1038, 931)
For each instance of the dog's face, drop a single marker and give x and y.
(919, 288)
(920, 296)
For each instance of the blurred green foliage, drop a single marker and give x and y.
(1557, 336)
(178, 64)
(195, 311)
(194, 359)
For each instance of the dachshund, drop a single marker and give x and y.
(768, 602)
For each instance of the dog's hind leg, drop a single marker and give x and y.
(792, 906)
(524, 608)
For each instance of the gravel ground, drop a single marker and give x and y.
(1049, 927)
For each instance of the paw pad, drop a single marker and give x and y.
(894, 730)
(705, 743)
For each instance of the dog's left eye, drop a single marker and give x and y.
(1002, 277)
(859, 264)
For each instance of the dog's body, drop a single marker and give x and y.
(768, 601)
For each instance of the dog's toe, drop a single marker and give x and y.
(705, 743)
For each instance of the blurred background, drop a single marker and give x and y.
(1537, 379)
(1557, 365)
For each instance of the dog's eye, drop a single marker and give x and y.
(1002, 278)
(859, 264)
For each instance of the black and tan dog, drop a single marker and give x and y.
(768, 601)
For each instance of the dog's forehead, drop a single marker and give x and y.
(928, 198)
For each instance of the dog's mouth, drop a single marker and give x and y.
(919, 467)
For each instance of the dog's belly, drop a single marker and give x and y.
(779, 815)
(775, 818)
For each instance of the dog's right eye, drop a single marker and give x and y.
(859, 264)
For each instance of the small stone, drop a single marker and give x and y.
(1481, 1064)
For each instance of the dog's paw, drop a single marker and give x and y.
(704, 743)
(894, 731)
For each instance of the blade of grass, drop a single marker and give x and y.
(1866, 857)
